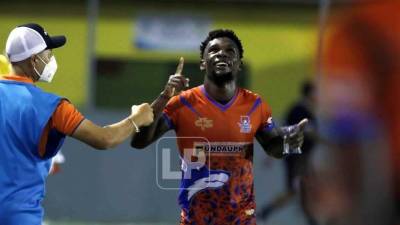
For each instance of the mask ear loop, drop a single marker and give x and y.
(42, 59)
(37, 72)
(34, 68)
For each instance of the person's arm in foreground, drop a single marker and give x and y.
(111, 135)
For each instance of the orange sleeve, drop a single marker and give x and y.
(171, 110)
(66, 118)
(266, 117)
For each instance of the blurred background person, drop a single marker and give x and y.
(356, 174)
(296, 165)
(55, 168)
(56, 162)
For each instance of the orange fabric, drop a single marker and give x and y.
(266, 116)
(369, 57)
(65, 118)
(225, 135)
(17, 78)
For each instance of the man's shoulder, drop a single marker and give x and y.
(249, 95)
(191, 94)
(184, 98)
(31, 90)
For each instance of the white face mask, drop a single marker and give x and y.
(48, 71)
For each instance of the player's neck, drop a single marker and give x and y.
(222, 93)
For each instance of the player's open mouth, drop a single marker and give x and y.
(221, 65)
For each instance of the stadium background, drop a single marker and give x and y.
(119, 186)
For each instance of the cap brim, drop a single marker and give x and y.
(56, 42)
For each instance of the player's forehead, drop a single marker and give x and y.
(222, 42)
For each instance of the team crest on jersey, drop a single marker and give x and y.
(203, 123)
(245, 124)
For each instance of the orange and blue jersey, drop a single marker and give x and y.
(220, 191)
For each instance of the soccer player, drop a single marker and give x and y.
(226, 118)
(34, 124)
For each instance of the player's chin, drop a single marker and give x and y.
(223, 76)
(222, 73)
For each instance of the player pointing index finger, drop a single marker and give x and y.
(230, 117)
(177, 79)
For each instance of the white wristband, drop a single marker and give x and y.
(134, 125)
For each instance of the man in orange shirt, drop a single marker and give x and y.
(217, 122)
(34, 124)
(359, 113)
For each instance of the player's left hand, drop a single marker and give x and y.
(296, 134)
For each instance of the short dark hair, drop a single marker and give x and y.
(219, 33)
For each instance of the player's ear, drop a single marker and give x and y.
(202, 65)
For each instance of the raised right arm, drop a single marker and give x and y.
(156, 129)
(148, 134)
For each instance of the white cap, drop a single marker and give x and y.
(23, 42)
(29, 39)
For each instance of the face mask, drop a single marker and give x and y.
(48, 71)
